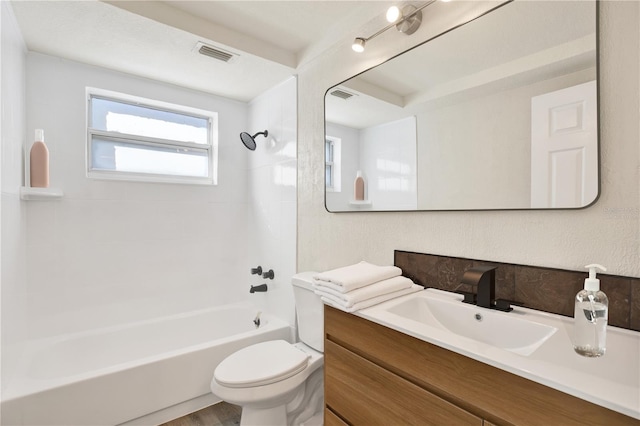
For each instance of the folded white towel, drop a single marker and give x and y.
(350, 298)
(358, 275)
(370, 302)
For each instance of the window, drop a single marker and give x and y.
(132, 138)
(332, 163)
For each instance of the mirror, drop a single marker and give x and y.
(500, 113)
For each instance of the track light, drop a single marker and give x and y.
(393, 14)
(358, 44)
(406, 19)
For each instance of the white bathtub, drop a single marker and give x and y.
(112, 376)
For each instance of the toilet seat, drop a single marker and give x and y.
(261, 364)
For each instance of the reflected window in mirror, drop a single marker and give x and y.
(332, 151)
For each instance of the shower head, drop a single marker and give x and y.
(250, 141)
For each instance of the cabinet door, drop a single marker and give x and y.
(366, 394)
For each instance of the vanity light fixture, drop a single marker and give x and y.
(358, 44)
(393, 14)
(406, 19)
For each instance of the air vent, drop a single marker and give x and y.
(342, 94)
(215, 53)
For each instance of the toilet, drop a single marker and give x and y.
(275, 382)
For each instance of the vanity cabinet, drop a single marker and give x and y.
(378, 376)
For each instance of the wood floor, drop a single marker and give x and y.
(222, 414)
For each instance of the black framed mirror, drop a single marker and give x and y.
(500, 113)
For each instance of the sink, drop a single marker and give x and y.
(529, 343)
(511, 331)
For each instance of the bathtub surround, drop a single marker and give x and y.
(608, 231)
(544, 289)
(271, 199)
(13, 126)
(110, 252)
(159, 248)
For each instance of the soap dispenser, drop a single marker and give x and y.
(590, 316)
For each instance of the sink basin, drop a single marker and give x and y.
(510, 331)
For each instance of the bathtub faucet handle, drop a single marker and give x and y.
(256, 320)
(268, 275)
(256, 271)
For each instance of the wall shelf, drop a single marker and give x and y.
(42, 194)
(360, 202)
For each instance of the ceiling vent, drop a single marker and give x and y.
(338, 93)
(215, 53)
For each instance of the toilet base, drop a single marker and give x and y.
(305, 403)
(275, 416)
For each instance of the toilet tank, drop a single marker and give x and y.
(309, 311)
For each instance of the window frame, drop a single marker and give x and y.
(211, 147)
(335, 163)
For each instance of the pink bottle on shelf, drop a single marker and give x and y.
(358, 187)
(39, 162)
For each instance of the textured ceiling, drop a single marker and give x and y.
(157, 40)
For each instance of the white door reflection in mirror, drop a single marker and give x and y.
(564, 147)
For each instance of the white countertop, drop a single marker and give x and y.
(612, 381)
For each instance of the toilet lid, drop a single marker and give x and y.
(261, 364)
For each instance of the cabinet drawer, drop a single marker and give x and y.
(366, 394)
(331, 419)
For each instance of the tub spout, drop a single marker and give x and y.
(258, 288)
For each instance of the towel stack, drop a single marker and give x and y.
(361, 285)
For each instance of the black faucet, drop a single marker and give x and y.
(484, 278)
(258, 288)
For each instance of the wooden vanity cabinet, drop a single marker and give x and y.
(377, 376)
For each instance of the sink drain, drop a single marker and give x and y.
(478, 317)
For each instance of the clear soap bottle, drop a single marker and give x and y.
(590, 317)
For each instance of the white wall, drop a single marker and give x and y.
(13, 247)
(491, 151)
(388, 163)
(111, 251)
(607, 232)
(272, 199)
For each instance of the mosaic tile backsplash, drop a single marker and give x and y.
(544, 289)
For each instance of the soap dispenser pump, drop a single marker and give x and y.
(590, 316)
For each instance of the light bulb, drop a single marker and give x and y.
(358, 45)
(393, 14)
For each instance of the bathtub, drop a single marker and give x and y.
(118, 374)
